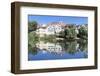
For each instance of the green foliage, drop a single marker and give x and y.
(70, 33)
(33, 38)
(83, 32)
(32, 26)
(48, 38)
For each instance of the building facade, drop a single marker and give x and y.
(51, 28)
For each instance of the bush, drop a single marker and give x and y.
(33, 38)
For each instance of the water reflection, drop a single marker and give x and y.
(60, 49)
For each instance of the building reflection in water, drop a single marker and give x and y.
(58, 50)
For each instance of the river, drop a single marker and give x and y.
(61, 49)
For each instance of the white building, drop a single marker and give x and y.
(51, 28)
(55, 27)
(41, 30)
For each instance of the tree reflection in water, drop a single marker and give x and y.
(83, 44)
(32, 50)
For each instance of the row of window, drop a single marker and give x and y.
(53, 29)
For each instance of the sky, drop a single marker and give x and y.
(45, 19)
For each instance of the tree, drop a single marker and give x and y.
(83, 32)
(32, 26)
(70, 33)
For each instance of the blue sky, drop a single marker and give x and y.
(44, 19)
